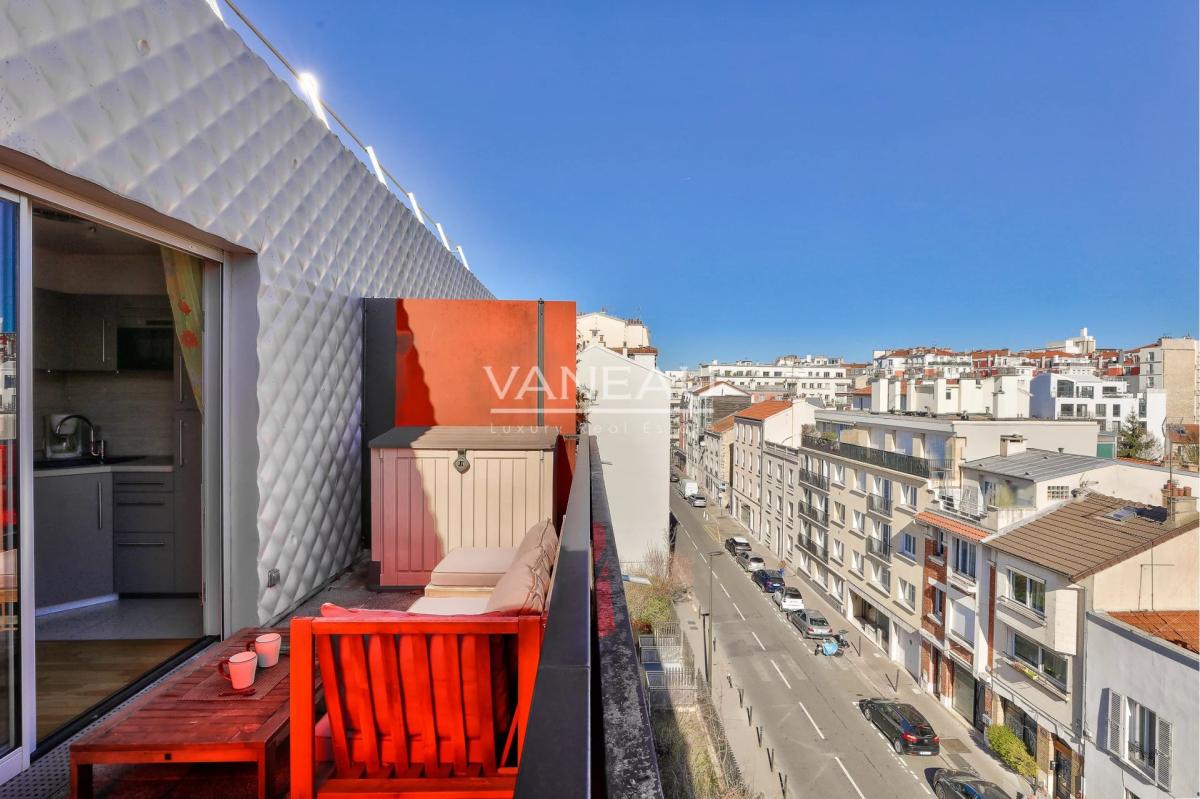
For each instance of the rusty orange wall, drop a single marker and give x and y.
(444, 346)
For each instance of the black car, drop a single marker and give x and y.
(949, 784)
(768, 581)
(674, 477)
(737, 544)
(903, 725)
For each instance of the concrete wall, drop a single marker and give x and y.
(1119, 659)
(1165, 577)
(158, 103)
(630, 419)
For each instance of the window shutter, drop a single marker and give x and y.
(1162, 760)
(1115, 711)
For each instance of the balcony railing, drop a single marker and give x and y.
(879, 504)
(819, 551)
(815, 480)
(879, 547)
(589, 723)
(813, 513)
(896, 461)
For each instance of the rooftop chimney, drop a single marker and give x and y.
(1013, 444)
(1179, 501)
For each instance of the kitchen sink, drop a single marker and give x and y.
(74, 463)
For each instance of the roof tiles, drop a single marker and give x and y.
(1180, 627)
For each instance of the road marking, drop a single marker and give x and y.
(735, 607)
(788, 684)
(693, 543)
(811, 721)
(853, 784)
(727, 596)
(760, 643)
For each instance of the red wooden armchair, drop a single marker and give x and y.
(417, 706)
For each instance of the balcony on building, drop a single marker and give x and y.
(879, 504)
(813, 513)
(896, 461)
(819, 551)
(814, 479)
(880, 548)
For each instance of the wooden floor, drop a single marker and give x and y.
(74, 675)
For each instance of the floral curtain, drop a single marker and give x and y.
(183, 273)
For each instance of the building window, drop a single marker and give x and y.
(856, 562)
(791, 510)
(882, 576)
(839, 550)
(1047, 662)
(939, 543)
(1058, 492)
(839, 474)
(1142, 724)
(860, 480)
(908, 593)
(1027, 591)
(908, 495)
(885, 532)
(839, 513)
(1101, 410)
(939, 603)
(908, 545)
(964, 558)
(858, 520)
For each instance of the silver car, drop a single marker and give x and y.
(750, 562)
(788, 599)
(810, 623)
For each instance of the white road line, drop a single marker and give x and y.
(693, 543)
(760, 643)
(735, 607)
(727, 596)
(853, 784)
(788, 684)
(811, 721)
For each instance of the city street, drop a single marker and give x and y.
(807, 703)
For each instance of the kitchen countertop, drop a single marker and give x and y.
(149, 463)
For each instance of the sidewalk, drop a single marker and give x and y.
(882, 672)
(756, 769)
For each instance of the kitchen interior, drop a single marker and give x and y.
(117, 463)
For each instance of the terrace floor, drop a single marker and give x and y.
(48, 777)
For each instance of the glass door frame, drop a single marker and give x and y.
(26, 190)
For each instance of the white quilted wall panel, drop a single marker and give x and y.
(161, 103)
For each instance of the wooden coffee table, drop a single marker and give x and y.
(163, 726)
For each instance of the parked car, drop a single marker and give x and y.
(698, 501)
(948, 784)
(903, 725)
(768, 581)
(737, 544)
(674, 477)
(810, 623)
(788, 599)
(749, 561)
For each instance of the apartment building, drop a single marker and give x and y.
(700, 407)
(862, 481)
(1171, 364)
(774, 421)
(1003, 395)
(1095, 553)
(603, 329)
(922, 362)
(1106, 400)
(1143, 732)
(804, 377)
(717, 456)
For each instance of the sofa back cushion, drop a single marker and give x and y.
(522, 589)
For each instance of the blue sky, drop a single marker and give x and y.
(760, 179)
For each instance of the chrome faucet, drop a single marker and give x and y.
(95, 446)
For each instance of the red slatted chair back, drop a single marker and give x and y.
(411, 701)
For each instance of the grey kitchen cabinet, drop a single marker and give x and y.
(94, 332)
(188, 502)
(51, 323)
(183, 396)
(73, 537)
(145, 563)
(74, 331)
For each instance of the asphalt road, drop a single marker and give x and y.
(807, 703)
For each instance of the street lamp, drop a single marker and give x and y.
(708, 625)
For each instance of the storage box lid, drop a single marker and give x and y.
(475, 438)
